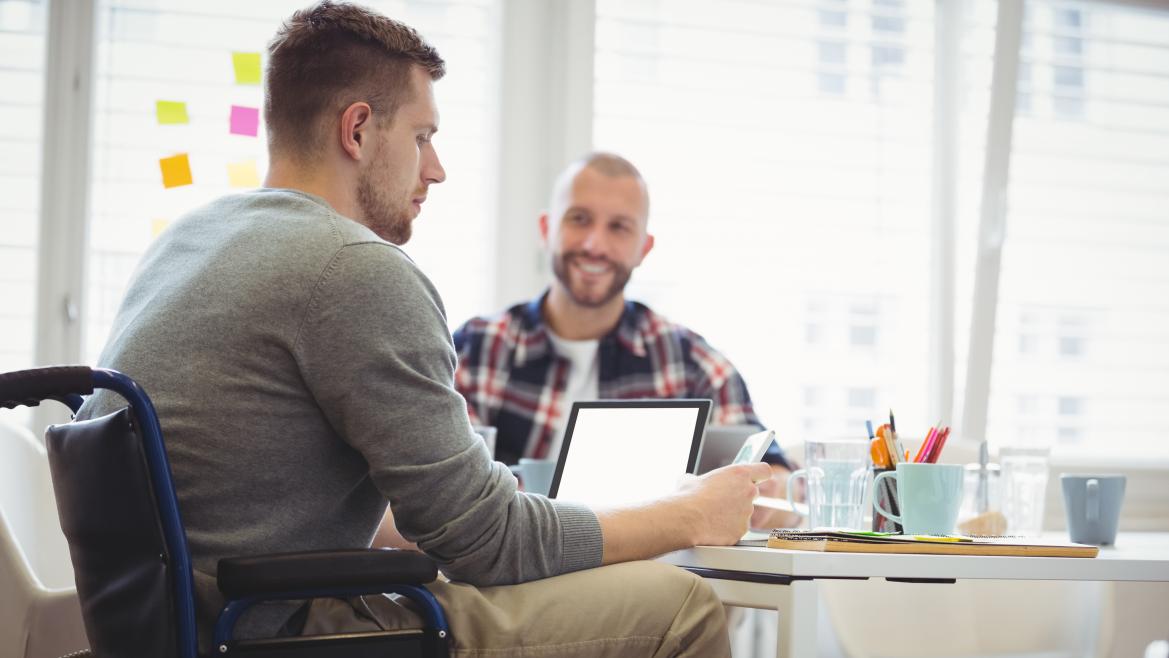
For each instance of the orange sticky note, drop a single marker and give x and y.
(176, 171)
(157, 226)
(247, 68)
(243, 174)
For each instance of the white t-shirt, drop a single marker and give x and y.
(584, 380)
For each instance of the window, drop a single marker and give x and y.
(1084, 264)
(809, 216)
(166, 50)
(22, 51)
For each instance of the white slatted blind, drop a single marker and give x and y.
(22, 52)
(151, 50)
(1082, 341)
(787, 146)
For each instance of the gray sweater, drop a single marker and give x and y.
(302, 370)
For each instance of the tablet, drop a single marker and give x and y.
(621, 452)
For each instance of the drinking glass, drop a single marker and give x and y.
(1024, 489)
(837, 473)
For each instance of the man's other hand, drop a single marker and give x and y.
(721, 501)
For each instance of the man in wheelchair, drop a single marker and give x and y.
(302, 370)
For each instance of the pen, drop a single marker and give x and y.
(924, 449)
(890, 446)
(940, 443)
(902, 453)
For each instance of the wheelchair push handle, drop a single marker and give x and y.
(29, 387)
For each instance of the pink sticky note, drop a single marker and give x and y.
(244, 120)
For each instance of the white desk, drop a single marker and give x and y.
(786, 581)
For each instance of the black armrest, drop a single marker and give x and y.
(29, 387)
(240, 577)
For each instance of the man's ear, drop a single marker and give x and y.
(647, 247)
(544, 228)
(356, 128)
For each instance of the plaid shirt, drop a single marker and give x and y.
(512, 378)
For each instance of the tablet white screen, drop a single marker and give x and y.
(618, 456)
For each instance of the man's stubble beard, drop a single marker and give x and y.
(621, 277)
(380, 215)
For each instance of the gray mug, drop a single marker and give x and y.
(1092, 503)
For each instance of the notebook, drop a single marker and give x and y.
(618, 452)
(869, 542)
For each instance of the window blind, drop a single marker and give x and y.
(1081, 361)
(787, 148)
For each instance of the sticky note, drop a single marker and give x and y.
(243, 174)
(247, 68)
(171, 112)
(244, 120)
(176, 171)
(157, 226)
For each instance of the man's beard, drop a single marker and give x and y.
(380, 216)
(620, 278)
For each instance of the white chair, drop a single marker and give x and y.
(39, 613)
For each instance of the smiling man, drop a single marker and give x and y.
(521, 371)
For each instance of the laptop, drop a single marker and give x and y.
(618, 452)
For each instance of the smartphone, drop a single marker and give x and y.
(755, 447)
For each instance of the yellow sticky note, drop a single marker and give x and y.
(247, 68)
(243, 174)
(157, 226)
(176, 170)
(171, 112)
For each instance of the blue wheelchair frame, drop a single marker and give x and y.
(176, 539)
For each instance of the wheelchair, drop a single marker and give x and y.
(119, 513)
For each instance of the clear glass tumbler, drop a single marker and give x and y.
(837, 473)
(1024, 489)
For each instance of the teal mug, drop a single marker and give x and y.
(929, 496)
(535, 474)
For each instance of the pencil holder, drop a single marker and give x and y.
(886, 495)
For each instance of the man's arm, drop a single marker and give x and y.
(375, 354)
(707, 510)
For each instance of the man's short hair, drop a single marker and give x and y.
(609, 164)
(329, 56)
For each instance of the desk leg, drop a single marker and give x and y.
(798, 607)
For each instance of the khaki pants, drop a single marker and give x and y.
(623, 610)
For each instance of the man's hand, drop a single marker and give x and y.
(388, 536)
(721, 501)
(711, 509)
(765, 518)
